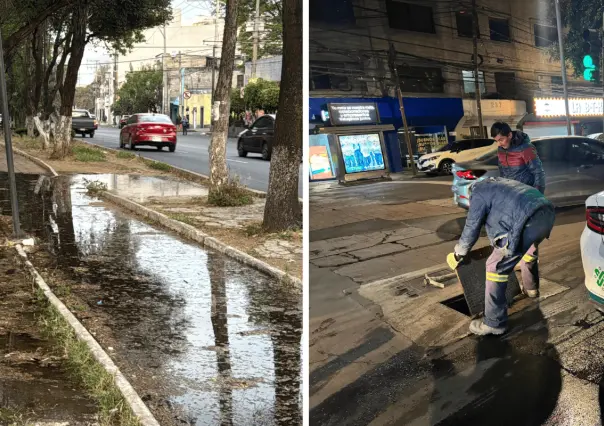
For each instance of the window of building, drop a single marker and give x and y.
(556, 80)
(505, 84)
(464, 24)
(421, 79)
(331, 11)
(475, 131)
(336, 76)
(500, 29)
(410, 17)
(545, 35)
(469, 87)
(240, 80)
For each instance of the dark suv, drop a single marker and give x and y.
(258, 138)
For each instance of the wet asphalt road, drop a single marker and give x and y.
(204, 339)
(192, 154)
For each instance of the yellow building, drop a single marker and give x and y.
(198, 106)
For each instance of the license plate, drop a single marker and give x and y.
(82, 130)
(157, 139)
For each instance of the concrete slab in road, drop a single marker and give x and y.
(192, 154)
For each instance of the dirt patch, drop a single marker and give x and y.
(34, 384)
(112, 163)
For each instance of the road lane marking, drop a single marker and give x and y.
(237, 161)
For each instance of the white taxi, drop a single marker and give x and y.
(592, 248)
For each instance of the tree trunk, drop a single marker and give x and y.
(222, 101)
(43, 128)
(282, 210)
(62, 139)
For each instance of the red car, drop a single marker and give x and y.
(150, 130)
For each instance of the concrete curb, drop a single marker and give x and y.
(194, 234)
(406, 277)
(33, 160)
(134, 401)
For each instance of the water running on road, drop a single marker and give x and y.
(204, 340)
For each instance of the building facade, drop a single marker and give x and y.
(355, 45)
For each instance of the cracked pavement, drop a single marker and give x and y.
(392, 354)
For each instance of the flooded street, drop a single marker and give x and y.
(204, 339)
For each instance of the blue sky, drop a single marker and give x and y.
(191, 10)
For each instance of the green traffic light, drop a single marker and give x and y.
(588, 62)
(588, 75)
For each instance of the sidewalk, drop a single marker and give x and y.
(22, 165)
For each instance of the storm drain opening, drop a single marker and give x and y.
(459, 304)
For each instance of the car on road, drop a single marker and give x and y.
(83, 123)
(124, 120)
(149, 130)
(592, 248)
(443, 159)
(573, 165)
(258, 138)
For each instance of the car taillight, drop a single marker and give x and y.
(466, 174)
(595, 219)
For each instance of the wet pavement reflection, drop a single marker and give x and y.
(213, 340)
(141, 188)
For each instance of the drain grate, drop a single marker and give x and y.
(459, 304)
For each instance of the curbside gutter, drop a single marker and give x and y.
(33, 159)
(205, 240)
(136, 404)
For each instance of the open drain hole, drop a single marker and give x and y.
(459, 304)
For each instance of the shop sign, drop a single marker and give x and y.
(353, 114)
(320, 166)
(362, 153)
(577, 107)
(430, 142)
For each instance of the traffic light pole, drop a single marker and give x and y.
(14, 204)
(563, 66)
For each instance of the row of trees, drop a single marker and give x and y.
(44, 46)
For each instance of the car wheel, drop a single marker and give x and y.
(159, 148)
(446, 167)
(121, 143)
(131, 144)
(266, 155)
(91, 134)
(172, 148)
(242, 152)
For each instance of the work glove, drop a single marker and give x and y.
(453, 260)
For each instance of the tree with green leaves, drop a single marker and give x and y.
(262, 94)
(577, 16)
(142, 92)
(85, 97)
(270, 36)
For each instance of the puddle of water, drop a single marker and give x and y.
(221, 340)
(141, 188)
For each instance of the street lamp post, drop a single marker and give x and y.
(14, 204)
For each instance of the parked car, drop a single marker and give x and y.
(149, 129)
(123, 120)
(573, 165)
(442, 160)
(258, 138)
(592, 248)
(82, 122)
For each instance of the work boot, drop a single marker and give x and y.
(479, 328)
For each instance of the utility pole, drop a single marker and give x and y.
(394, 72)
(6, 120)
(475, 32)
(180, 99)
(164, 96)
(115, 81)
(562, 65)
(216, 37)
(255, 45)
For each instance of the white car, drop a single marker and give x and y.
(592, 248)
(460, 151)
